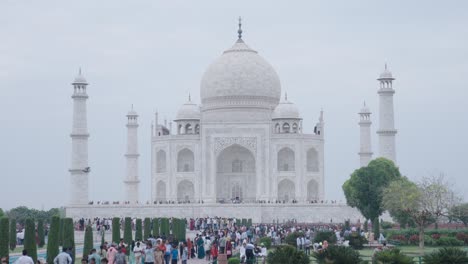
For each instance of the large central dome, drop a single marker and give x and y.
(240, 78)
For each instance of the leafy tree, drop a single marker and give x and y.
(12, 234)
(459, 213)
(287, 255)
(116, 230)
(155, 227)
(138, 231)
(69, 235)
(30, 239)
(22, 213)
(40, 233)
(364, 189)
(146, 228)
(1, 213)
(128, 232)
(404, 196)
(88, 241)
(4, 237)
(53, 239)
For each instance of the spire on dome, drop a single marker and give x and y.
(239, 31)
(189, 98)
(79, 79)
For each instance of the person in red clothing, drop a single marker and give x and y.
(214, 252)
(228, 248)
(189, 247)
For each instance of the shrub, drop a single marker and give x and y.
(128, 233)
(338, 255)
(116, 230)
(53, 239)
(234, 261)
(138, 231)
(146, 228)
(291, 238)
(69, 235)
(386, 225)
(435, 236)
(155, 227)
(463, 237)
(356, 241)
(30, 239)
(400, 238)
(266, 241)
(429, 241)
(393, 256)
(40, 233)
(4, 237)
(325, 235)
(88, 241)
(12, 234)
(287, 255)
(414, 239)
(448, 241)
(446, 256)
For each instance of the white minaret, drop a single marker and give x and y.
(387, 129)
(131, 180)
(79, 169)
(365, 151)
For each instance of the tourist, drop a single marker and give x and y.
(111, 253)
(185, 253)
(168, 252)
(190, 248)
(70, 252)
(63, 257)
(24, 259)
(249, 252)
(104, 261)
(138, 250)
(159, 252)
(4, 260)
(103, 251)
(207, 247)
(120, 257)
(214, 252)
(228, 250)
(307, 245)
(84, 261)
(222, 243)
(174, 254)
(95, 256)
(242, 251)
(149, 253)
(200, 247)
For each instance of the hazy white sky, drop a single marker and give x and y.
(153, 53)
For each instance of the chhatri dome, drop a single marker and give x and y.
(80, 79)
(386, 74)
(286, 110)
(240, 77)
(188, 111)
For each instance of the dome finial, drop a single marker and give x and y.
(189, 98)
(239, 32)
(79, 71)
(385, 66)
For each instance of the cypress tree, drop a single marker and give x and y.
(52, 242)
(12, 234)
(40, 233)
(244, 222)
(238, 222)
(4, 236)
(60, 235)
(146, 228)
(116, 230)
(103, 233)
(69, 235)
(88, 241)
(155, 227)
(175, 229)
(249, 222)
(165, 227)
(30, 239)
(183, 229)
(138, 231)
(128, 233)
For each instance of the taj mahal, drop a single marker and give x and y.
(240, 152)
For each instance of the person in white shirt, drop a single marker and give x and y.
(63, 258)
(25, 259)
(299, 243)
(137, 250)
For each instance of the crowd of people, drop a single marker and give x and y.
(222, 201)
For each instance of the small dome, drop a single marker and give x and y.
(132, 113)
(286, 110)
(188, 111)
(386, 74)
(365, 109)
(240, 77)
(80, 79)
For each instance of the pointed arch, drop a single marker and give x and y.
(286, 190)
(161, 161)
(312, 160)
(161, 191)
(185, 191)
(277, 128)
(312, 190)
(286, 159)
(295, 128)
(286, 128)
(185, 160)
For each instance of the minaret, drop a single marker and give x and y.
(79, 168)
(365, 151)
(131, 180)
(387, 129)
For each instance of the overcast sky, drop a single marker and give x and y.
(328, 55)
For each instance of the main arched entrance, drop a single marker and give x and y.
(235, 175)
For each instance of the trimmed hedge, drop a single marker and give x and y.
(4, 236)
(338, 255)
(155, 227)
(266, 241)
(69, 235)
(329, 236)
(12, 234)
(40, 233)
(128, 233)
(146, 228)
(434, 237)
(116, 230)
(88, 241)
(393, 256)
(165, 227)
(60, 236)
(138, 231)
(30, 239)
(53, 239)
(234, 261)
(287, 255)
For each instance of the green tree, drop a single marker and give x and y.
(88, 241)
(138, 231)
(60, 235)
(364, 189)
(128, 232)
(12, 234)
(40, 233)
(165, 226)
(146, 228)
(404, 196)
(22, 213)
(30, 239)
(4, 236)
(459, 213)
(155, 227)
(116, 230)
(53, 239)
(69, 235)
